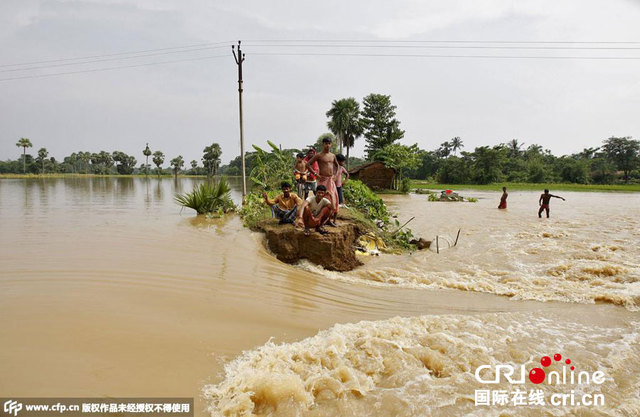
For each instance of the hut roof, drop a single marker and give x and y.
(368, 164)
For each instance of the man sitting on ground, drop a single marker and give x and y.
(315, 212)
(285, 206)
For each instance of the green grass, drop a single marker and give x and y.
(527, 187)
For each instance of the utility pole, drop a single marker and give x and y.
(239, 60)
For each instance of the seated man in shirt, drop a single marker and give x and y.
(315, 212)
(285, 206)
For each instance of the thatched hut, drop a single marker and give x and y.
(375, 174)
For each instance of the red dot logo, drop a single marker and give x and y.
(557, 357)
(545, 361)
(536, 375)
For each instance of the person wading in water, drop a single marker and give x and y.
(544, 202)
(503, 199)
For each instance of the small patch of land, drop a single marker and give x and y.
(333, 251)
(630, 188)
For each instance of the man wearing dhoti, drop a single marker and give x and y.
(328, 167)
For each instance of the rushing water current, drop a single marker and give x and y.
(107, 288)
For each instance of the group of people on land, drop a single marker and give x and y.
(543, 201)
(320, 173)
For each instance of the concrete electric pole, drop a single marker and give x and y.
(239, 60)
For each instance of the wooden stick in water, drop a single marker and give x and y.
(456, 244)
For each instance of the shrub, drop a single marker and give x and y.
(360, 197)
(271, 168)
(208, 197)
(405, 185)
(255, 210)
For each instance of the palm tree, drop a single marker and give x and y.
(456, 143)
(24, 143)
(211, 158)
(42, 156)
(344, 122)
(514, 147)
(146, 152)
(177, 163)
(158, 159)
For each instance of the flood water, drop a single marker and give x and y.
(107, 288)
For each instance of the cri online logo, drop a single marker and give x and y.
(12, 407)
(538, 375)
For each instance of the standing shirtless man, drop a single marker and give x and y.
(327, 169)
(544, 202)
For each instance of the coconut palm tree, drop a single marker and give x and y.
(456, 143)
(344, 122)
(24, 143)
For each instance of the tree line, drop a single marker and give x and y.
(617, 160)
(109, 163)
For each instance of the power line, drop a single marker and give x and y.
(442, 41)
(117, 54)
(112, 59)
(446, 47)
(113, 68)
(443, 56)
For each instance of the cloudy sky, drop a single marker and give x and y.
(161, 71)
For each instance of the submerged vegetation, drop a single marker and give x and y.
(208, 197)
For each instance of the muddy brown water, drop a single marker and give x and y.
(107, 288)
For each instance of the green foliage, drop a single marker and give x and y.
(472, 200)
(364, 202)
(42, 158)
(211, 158)
(453, 170)
(399, 157)
(24, 143)
(158, 160)
(101, 163)
(344, 122)
(255, 210)
(145, 167)
(125, 163)
(399, 238)
(177, 163)
(360, 197)
(271, 168)
(487, 164)
(208, 197)
(624, 153)
(405, 185)
(379, 124)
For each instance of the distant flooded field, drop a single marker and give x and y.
(108, 288)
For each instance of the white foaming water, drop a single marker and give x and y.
(426, 366)
(587, 252)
